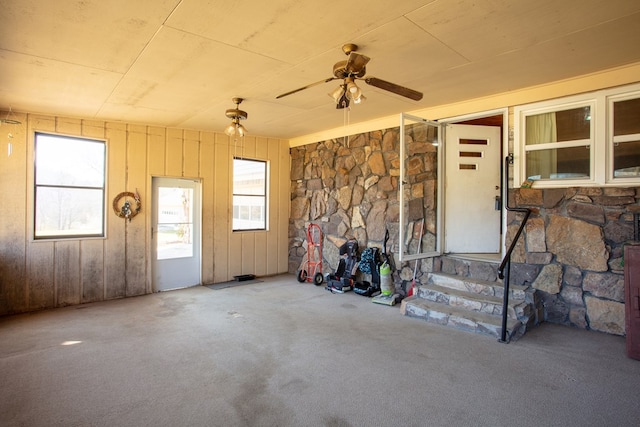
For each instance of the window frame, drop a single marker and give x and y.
(103, 189)
(588, 143)
(264, 196)
(612, 140)
(601, 138)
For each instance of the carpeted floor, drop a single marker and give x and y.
(281, 353)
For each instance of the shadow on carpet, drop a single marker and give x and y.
(232, 284)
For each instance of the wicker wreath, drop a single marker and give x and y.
(126, 210)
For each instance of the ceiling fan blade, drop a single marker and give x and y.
(392, 87)
(356, 63)
(306, 87)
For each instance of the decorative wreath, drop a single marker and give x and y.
(126, 211)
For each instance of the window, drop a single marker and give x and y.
(625, 137)
(558, 144)
(69, 187)
(249, 194)
(590, 139)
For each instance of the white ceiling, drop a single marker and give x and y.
(178, 63)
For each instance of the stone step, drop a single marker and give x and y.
(471, 301)
(477, 286)
(460, 318)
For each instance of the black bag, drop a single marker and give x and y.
(365, 288)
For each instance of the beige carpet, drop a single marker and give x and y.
(282, 353)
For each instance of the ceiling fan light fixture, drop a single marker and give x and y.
(350, 70)
(343, 102)
(337, 93)
(351, 85)
(236, 115)
(230, 130)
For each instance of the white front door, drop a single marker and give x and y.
(176, 233)
(472, 189)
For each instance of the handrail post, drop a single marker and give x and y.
(505, 303)
(506, 261)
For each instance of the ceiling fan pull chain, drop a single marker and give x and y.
(346, 123)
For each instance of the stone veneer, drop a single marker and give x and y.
(570, 252)
(349, 186)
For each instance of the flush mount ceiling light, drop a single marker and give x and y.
(235, 128)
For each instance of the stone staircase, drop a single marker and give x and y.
(472, 305)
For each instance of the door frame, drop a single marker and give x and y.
(152, 220)
(504, 150)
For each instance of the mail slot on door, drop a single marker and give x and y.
(632, 299)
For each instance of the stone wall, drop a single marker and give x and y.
(349, 186)
(572, 252)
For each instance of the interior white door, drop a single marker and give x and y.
(176, 233)
(472, 189)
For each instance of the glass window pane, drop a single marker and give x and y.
(626, 117)
(249, 194)
(626, 159)
(563, 163)
(251, 211)
(249, 177)
(559, 126)
(64, 161)
(68, 212)
(175, 223)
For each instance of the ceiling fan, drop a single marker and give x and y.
(351, 70)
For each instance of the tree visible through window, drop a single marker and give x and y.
(69, 187)
(249, 195)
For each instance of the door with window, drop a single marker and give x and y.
(472, 189)
(176, 241)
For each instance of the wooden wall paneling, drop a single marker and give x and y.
(40, 273)
(248, 252)
(174, 153)
(207, 162)
(92, 269)
(40, 254)
(67, 272)
(242, 251)
(13, 223)
(156, 149)
(249, 147)
(115, 284)
(261, 238)
(238, 241)
(93, 129)
(92, 250)
(39, 123)
(222, 208)
(135, 240)
(68, 126)
(191, 154)
(284, 208)
(46, 274)
(273, 153)
(236, 256)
